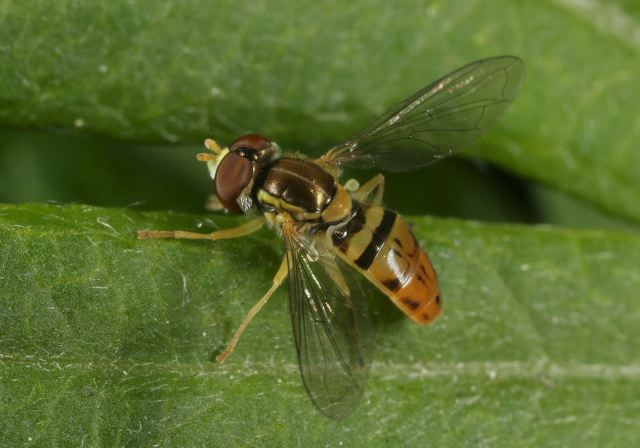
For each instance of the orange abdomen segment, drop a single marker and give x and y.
(402, 270)
(379, 243)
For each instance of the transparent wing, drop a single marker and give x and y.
(439, 120)
(331, 326)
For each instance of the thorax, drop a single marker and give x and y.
(302, 189)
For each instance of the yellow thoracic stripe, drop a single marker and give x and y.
(280, 204)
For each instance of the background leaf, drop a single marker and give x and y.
(309, 74)
(111, 341)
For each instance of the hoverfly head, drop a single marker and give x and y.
(234, 168)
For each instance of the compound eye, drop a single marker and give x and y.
(251, 146)
(232, 176)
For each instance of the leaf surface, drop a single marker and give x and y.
(109, 341)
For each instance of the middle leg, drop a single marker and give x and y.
(277, 281)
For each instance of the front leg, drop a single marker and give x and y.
(225, 234)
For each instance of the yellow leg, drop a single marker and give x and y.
(235, 232)
(277, 281)
(336, 276)
(371, 192)
(213, 204)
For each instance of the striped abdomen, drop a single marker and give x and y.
(380, 243)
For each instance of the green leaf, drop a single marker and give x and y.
(310, 73)
(109, 341)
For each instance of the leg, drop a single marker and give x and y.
(371, 192)
(213, 204)
(336, 276)
(277, 281)
(235, 232)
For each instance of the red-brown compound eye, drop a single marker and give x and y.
(232, 176)
(252, 146)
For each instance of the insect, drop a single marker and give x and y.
(337, 237)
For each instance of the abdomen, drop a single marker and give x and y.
(379, 243)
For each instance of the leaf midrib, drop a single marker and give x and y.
(536, 369)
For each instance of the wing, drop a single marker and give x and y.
(333, 334)
(439, 120)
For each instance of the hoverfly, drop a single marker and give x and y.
(337, 236)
